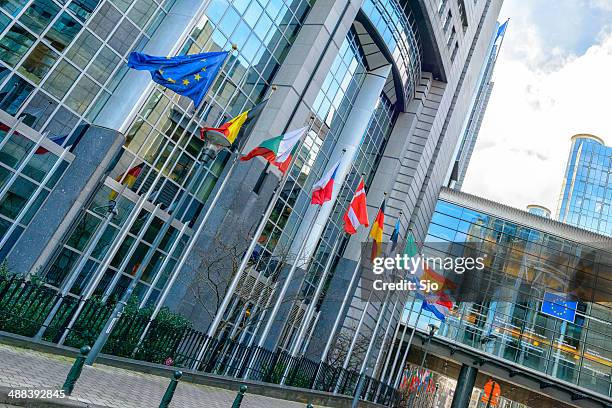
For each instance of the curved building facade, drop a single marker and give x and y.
(586, 192)
(383, 88)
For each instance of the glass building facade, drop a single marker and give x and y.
(519, 331)
(586, 193)
(157, 212)
(30, 167)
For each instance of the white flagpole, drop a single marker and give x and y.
(245, 260)
(288, 279)
(313, 303)
(399, 347)
(405, 356)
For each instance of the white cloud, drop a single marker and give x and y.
(524, 142)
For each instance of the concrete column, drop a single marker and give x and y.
(349, 139)
(135, 86)
(465, 385)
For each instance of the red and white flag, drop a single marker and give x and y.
(357, 213)
(323, 189)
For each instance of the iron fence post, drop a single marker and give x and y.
(165, 402)
(239, 397)
(75, 370)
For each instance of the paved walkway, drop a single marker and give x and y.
(114, 387)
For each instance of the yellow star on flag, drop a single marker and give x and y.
(203, 69)
(197, 77)
(172, 81)
(161, 72)
(185, 82)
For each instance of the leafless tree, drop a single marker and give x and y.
(217, 266)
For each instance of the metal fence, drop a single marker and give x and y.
(25, 304)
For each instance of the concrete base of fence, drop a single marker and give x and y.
(255, 387)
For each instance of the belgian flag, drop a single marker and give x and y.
(376, 233)
(236, 129)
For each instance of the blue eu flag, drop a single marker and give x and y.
(187, 75)
(558, 306)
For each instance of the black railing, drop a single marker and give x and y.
(24, 306)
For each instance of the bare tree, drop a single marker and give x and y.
(217, 266)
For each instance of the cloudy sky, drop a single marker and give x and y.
(553, 79)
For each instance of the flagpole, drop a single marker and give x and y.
(289, 277)
(129, 222)
(399, 347)
(208, 158)
(382, 345)
(364, 364)
(405, 356)
(298, 343)
(311, 308)
(245, 259)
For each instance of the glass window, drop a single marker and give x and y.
(38, 110)
(61, 266)
(103, 65)
(105, 20)
(83, 231)
(16, 197)
(4, 176)
(4, 21)
(61, 79)
(142, 11)
(124, 37)
(63, 31)
(15, 150)
(122, 5)
(14, 93)
(82, 95)
(34, 207)
(15, 44)
(83, 50)
(39, 165)
(83, 8)
(13, 7)
(38, 63)
(38, 16)
(62, 122)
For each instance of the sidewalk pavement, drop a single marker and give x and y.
(105, 386)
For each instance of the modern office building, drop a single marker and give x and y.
(466, 145)
(586, 192)
(511, 333)
(383, 87)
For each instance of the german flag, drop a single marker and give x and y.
(376, 233)
(129, 180)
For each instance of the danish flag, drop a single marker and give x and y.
(357, 213)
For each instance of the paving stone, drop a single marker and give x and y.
(115, 387)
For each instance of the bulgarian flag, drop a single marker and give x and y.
(376, 233)
(357, 213)
(323, 189)
(278, 150)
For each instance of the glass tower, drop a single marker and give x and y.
(586, 193)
